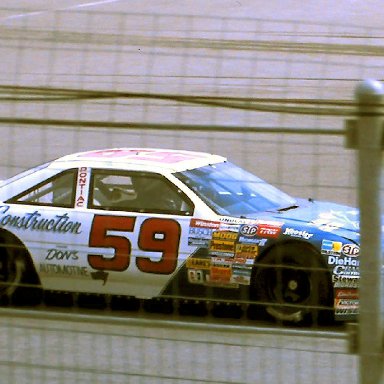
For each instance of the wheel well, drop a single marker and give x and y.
(289, 243)
(8, 239)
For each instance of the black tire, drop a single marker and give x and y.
(292, 285)
(12, 269)
(17, 274)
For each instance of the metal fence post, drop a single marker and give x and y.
(366, 135)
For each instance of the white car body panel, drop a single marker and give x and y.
(58, 255)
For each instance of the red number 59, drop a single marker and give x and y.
(156, 235)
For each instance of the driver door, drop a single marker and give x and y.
(139, 234)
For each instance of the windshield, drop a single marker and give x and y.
(232, 191)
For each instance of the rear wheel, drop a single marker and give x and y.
(16, 273)
(12, 269)
(291, 285)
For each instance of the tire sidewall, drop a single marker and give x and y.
(294, 254)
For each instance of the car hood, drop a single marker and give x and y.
(329, 217)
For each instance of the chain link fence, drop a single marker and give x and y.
(270, 95)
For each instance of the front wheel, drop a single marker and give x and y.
(291, 285)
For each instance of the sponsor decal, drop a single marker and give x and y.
(199, 234)
(200, 231)
(35, 221)
(198, 223)
(223, 243)
(220, 274)
(251, 240)
(222, 248)
(346, 294)
(268, 230)
(241, 279)
(224, 235)
(81, 184)
(246, 251)
(248, 230)
(58, 254)
(243, 260)
(241, 274)
(346, 312)
(346, 270)
(195, 276)
(302, 234)
(241, 270)
(346, 303)
(240, 260)
(329, 247)
(349, 261)
(340, 281)
(229, 227)
(352, 250)
(232, 220)
(198, 263)
(221, 262)
(65, 270)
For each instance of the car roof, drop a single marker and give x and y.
(170, 160)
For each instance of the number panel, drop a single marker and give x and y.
(156, 235)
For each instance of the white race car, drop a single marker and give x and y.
(150, 223)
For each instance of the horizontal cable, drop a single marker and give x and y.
(169, 127)
(324, 107)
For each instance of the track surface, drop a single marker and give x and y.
(98, 347)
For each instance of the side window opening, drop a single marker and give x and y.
(137, 191)
(111, 190)
(57, 191)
